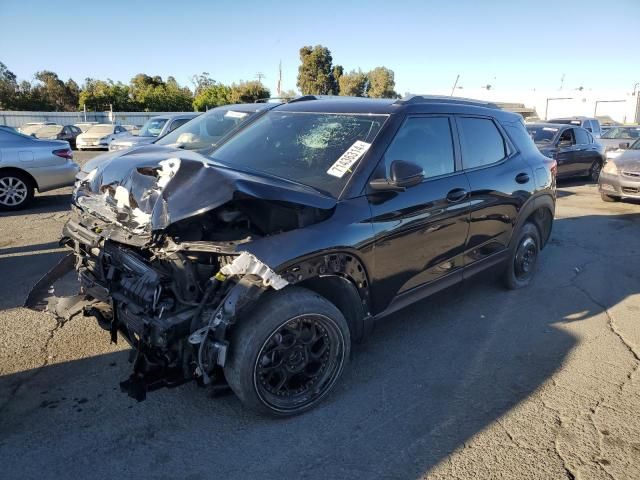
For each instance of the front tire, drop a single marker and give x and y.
(16, 190)
(608, 198)
(523, 257)
(288, 353)
(594, 171)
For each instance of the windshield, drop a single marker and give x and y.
(622, 133)
(152, 128)
(316, 149)
(84, 126)
(48, 131)
(542, 134)
(101, 129)
(206, 130)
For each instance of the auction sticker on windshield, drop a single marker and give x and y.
(348, 158)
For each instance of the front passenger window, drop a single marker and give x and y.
(425, 141)
(566, 138)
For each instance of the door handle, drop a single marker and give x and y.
(457, 194)
(522, 178)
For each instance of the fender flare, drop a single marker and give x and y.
(543, 200)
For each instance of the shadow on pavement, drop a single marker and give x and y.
(428, 379)
(43, 204)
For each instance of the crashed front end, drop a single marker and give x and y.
(167, 269)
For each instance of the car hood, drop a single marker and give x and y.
(151, 187)
(629, 160)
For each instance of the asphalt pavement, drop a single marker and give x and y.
(477, 382)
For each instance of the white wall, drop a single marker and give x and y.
(581, 103)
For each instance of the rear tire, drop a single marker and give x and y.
(608, 198)
(287, 354)
(523, 257)
(16, 190)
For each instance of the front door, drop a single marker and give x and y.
(569, 154)
(420, 233)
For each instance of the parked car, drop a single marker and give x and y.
(155, 128)
(260, 264)
(32, 127)
(202, 134)
(59, 132)
(591, 125)
(99, 136)
(27, 164)
(575, 150)
(84, 126)
(620, 176)
(619, 137)
(6, 127)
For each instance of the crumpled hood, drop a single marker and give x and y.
(151, 187)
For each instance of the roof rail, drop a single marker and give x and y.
(304, 98)
(266, 99)
(411, 99)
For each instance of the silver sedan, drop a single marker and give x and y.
(27, 164)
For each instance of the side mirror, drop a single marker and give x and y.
(402, 176)
(624, 145)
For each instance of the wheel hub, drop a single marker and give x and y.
(299, 361)
(13, 191)
(526, 256)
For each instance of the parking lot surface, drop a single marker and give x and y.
(477, 382)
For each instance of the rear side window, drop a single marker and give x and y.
(425, 141)
(582, 136)
(178, 123)
(482, 143)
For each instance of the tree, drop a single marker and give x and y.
(288, 94)
(202, 82)
(315, 72)
(248, 92)
(381, 83)
(8, 88)
(336, 72)
(98, 95)
(353, 84)
(152, 94)
(214, 95)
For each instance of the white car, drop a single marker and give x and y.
(100, 136)
(27, 163)
(32, 127)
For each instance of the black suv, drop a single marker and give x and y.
(258, 266)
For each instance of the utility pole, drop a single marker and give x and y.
(260, 76)
(636, 93)
(455, 84)
(562, 81)
(279, 88)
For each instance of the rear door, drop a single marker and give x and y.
(420, 233)
(501, 181)
(587, 151)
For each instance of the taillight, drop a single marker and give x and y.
(64, 153)
(554, 168)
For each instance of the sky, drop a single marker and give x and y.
(509, 44)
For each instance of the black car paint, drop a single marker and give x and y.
(574, 160)
(384, 249)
